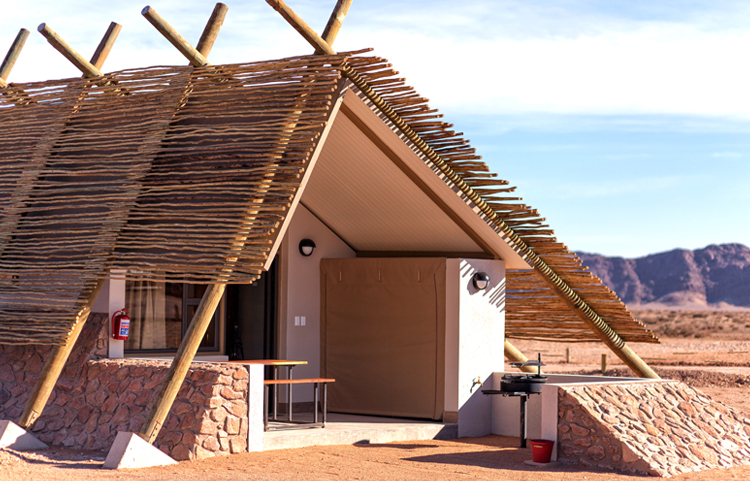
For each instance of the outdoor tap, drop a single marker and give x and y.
(478, 380)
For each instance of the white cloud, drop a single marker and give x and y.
(473, 57)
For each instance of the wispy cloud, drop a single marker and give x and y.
(475, 57)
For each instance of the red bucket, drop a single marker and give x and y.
(541, 450)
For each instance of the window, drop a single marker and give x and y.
(161, 313)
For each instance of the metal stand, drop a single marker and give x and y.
(524, 397)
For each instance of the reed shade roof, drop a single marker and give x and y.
(158, 173)
(533, 309)
(167, 173)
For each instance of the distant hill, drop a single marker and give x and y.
(717, 276)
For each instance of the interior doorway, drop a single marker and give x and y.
(252, 328)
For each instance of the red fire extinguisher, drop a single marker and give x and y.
(121, 325)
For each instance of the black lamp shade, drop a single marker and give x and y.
(480, 280)
(306, 247)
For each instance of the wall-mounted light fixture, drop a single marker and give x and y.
(480, 280)
(306, 247)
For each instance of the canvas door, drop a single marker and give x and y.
(383, 335)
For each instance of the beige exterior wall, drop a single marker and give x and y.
(475, 334)
(299, 293)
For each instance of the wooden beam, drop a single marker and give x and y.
(514, 355)
(105, 46)
(69, 52)
(55, 364)
(452, 255)
(194, 56)
(212, 297)
(206, 42)
(320, 45)
(12, 56)
(336, 20)
(182, 360)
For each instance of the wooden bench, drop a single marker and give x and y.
(316, 382)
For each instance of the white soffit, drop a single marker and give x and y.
(358, 192)
(361, 193)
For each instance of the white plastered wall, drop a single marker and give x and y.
(475, 334)
(299, 293)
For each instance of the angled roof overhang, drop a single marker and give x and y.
(189, 174)
(377, 191)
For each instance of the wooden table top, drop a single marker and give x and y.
(269, 362)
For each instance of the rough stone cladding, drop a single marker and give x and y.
(97, 397)
(658, 428)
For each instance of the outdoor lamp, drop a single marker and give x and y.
(306, 247)
(480, 280)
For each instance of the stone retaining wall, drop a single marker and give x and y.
(657, 428)
(97, 397)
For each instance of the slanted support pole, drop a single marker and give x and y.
(514, 355)
(337, 19)
(196, 58)
(59, 355)
(320, 45)
(13, 53)
(105, 46)
(206, 42)
(69, 52)
(55, 364)
(181, 363)
(211, 298)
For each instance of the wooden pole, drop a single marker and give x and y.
(105, 46)
(206, 42)
(320, 45)
(59, 355)
(604, 364)
(194, 56)
(55, 364)
(514, 355)
(212, 297)
(181, 363)
(335, 21)
(12, 56)
(69, 52)
(567, 355)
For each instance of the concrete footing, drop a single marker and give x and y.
(15, 437)
(130, 451)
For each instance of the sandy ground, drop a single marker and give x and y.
(717, 365)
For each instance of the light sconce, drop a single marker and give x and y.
(480, 280)
(306, 247)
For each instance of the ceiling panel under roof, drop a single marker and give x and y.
(371, 204)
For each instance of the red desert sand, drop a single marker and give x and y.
(715, 361)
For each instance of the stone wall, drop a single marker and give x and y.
(657, 428)
(20, 367)
(96, 397)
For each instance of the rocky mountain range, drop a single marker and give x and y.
(717, 276)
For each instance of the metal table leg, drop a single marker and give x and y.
(275, 393)
(315, 403)
(325, 402)
(523, 420)
(289, 395)
(265, 408)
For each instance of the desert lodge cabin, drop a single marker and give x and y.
(313, 209)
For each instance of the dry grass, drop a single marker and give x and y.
(697, 324)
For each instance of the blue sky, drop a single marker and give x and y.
(626, 123)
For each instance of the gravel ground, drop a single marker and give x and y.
(717, 367)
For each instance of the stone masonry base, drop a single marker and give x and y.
(97, 397)
(657, 428)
